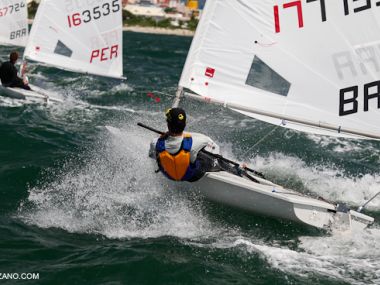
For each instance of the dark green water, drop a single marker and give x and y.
(81, 203)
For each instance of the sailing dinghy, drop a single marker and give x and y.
(78, 36)
(14, 32)
(307, 65)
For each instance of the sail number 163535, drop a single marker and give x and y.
(86, 16)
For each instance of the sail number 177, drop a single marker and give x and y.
(96, 13)
(348, 7)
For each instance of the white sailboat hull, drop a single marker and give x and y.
(273, 200)
(36, 94)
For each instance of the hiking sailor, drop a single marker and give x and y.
(8, 73)
(178, 153)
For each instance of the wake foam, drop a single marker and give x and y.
(116, 193)
(342, 145)
(328, 182)
(354, 259)
(11, 102)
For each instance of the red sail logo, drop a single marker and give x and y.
(210, 72)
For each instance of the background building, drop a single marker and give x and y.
(145, 8)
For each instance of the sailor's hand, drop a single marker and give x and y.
(24, 68)
(165, 135)
(244, 165)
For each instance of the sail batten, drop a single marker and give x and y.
(83, 71)
(85, 38)
(289, 59)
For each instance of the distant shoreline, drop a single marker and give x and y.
(161, 31)
(152, 30)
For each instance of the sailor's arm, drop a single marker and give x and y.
(15, 78)
(207, 143)
(13, 71)
(201, 141)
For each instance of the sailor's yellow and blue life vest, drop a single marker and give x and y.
(176, 166)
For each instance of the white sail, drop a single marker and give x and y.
(81, 36)
(309, 63)
(13, 22)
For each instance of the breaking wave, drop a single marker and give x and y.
(328, 182)
(353, 258)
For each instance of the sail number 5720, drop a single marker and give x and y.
(86, 16)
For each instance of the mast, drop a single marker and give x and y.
(178, 96)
